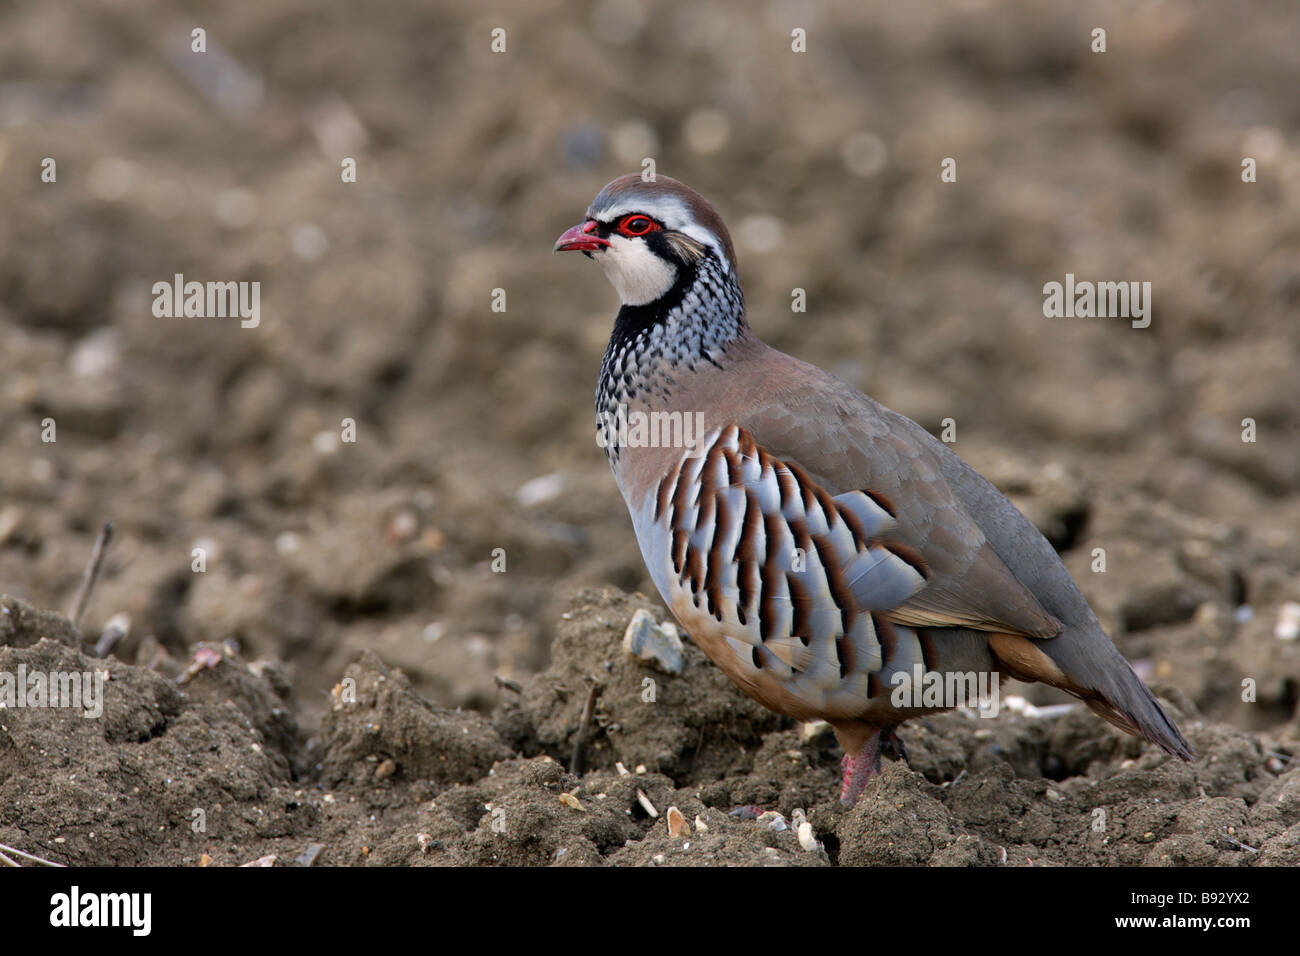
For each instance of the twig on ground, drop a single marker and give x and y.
(7, 860)
(575, 764)
(1237, 843)
(91, 574)
(505, 683)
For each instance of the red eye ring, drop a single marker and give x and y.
(637, 225)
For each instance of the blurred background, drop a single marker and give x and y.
(474, 428)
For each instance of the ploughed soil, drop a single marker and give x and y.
(211, 766)
(380, 650)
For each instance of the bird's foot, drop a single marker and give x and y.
(858, 768)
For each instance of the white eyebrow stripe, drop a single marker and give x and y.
(669, 210)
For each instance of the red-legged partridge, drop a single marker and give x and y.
(814, 543)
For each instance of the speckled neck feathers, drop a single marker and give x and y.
(693, 323)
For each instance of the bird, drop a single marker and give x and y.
(820, 548)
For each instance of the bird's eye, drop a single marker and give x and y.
(637, 225)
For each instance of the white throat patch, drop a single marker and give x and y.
(638, 274)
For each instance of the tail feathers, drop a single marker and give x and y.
(1129, 704)
(1099, 676)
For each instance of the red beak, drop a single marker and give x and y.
(580, 238)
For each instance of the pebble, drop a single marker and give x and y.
(1288, 622)
(97, 355)
(806, 838)
(677, 825)
(9, 520)
(655, 644)
(540, 490)
(402, 526)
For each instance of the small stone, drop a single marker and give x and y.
(386, 769)
(774, 820)
(655, 644)
(403, 525)
(1288, 622)
(540, 490)
(806, 838)
(571, 800)
(677, 825)
(325, 443)
(309, 854)
(10, 517)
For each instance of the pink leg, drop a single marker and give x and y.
(858, 768)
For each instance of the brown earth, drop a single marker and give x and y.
(393, 779)
(326, 559)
